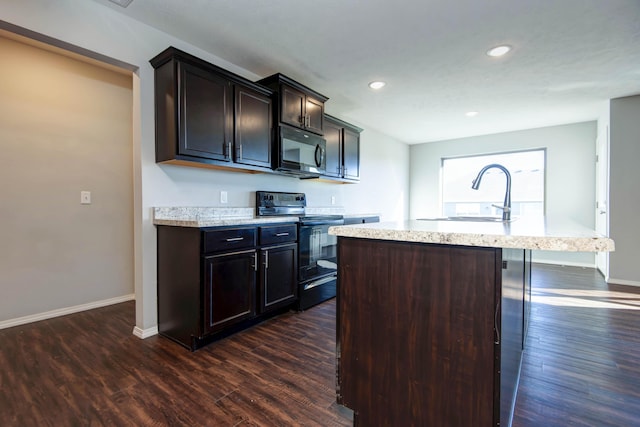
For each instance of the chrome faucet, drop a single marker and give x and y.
(506, 209)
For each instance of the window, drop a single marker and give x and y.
(527, 184)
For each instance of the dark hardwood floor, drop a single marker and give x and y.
(88, 369)
(581, 367)
(581, 364)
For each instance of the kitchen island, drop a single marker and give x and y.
(432, 316)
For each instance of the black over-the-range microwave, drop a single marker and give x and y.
(300, 153)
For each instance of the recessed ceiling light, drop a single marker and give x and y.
(499, 50)
(471, 113)
(377, 85)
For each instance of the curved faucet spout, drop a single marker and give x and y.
(506, 208)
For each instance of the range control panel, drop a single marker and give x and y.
(280, 203)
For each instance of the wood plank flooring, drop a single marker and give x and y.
(581, 367)
(88, 369)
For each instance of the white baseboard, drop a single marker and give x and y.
(145, 333)
(615, 281)
(64, 311)
(568, 264)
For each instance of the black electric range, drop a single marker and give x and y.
(317, 250)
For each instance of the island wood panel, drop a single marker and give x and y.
(415, 339)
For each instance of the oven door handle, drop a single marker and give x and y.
(304, 223)
(319, 282)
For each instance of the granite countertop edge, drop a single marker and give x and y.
(531, 233)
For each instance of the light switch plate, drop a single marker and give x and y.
(85, 197)
(223, 197)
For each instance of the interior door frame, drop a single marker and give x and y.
(602, 197)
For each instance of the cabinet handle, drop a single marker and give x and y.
(496, 324)
(235, 239)
(266, 260)
(240, 152)
(302, 119)
(281, 234)
(255, 261)
(228, 154)
(308, 121)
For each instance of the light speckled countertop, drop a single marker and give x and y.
(523, 233)
(193, 216)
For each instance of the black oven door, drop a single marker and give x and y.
(317, 254)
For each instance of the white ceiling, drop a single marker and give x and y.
(568, 57)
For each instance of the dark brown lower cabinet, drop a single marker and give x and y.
(278, 278)
(428, 335)
(214, 281)
(229, 289)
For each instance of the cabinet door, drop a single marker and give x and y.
(314, 111)
(253, 128)
(292, 106)
(229, 289)
(333, 136)
(206, 115)
(279, 279)
(351, 152)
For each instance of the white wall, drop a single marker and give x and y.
(624, 193)
(92, 26)
(383, 173)
(570, 174)
(65, 126)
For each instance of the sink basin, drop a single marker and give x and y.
(467, 219)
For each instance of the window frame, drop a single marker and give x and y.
(495, 153)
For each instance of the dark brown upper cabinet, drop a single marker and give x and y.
(208, 115)
(253, 126)
(343, 149)
(298, 105)
(205, 124)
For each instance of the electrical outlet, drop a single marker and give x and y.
(223, 197)
(333, 200)
(85, 197)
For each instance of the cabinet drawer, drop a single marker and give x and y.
(273, 234)
(229, 239)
